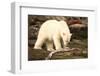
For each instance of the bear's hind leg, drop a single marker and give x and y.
(39, 43)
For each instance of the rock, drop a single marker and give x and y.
(76, 51)
(37, 54)
(78, 25)
(31, 42)
(41, 54)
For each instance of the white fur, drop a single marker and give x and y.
(51, 32)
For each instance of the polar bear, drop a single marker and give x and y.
(53, 32)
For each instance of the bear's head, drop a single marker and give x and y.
(66, 36)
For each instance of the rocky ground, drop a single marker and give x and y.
(78, 49)
(79, 41)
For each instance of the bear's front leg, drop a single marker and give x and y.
(49, 45)
(57, 43)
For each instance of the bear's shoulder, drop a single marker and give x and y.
(50, 24)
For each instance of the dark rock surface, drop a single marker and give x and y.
(40, 54)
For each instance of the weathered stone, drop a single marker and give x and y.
(41, 54)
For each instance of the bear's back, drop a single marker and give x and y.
(50, 26)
